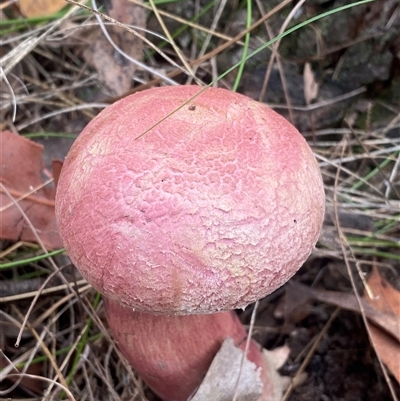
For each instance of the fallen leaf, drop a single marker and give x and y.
(387, 321)
(388, 350)
(310, 85)
(387, 300)
(40, 8)
(21, 169)
(275, 359)
(114, 70)
(28, 382)
(221, 380)
(383, 312)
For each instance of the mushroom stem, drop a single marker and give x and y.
(178, 200)
(173, 353)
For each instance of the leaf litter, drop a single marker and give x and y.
(386, 300)
(109, 45)
(26, 193)
(101, 362)
(40, 8)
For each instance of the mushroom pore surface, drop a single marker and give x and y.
(206, 209)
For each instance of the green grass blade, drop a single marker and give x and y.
(31, 260)
(245, 49)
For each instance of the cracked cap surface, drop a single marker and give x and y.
(212, 208)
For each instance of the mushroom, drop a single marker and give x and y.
(180, 208)
(172, 353)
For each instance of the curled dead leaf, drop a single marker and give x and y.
(115, 70)
(387, 321)
(26, 380)
(221, 381)
(40, 8)
(21, 169)
(228, 377)
(386, 300)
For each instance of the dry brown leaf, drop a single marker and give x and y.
(114, 70)
(388, 350)
(310, 85)
(387, 321)
(30, 383)
(21, 169)
(40, 8)
(387, 300)
(383, 311)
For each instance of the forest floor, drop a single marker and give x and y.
(337, 79)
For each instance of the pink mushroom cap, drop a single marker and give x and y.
(170, 204)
